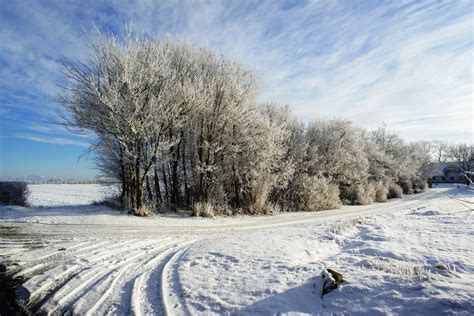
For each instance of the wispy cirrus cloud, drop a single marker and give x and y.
(52, 140)
(408, 64)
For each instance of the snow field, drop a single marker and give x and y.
(408, 256)
(68, 194)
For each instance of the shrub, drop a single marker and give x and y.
(381, 192)
(316, 194)
(13, 192)
(258, 197)
(203, 209)
(361, 193)
(394, 191)
(406, 185)
(419, 186)
(265, 209)
(143, 212)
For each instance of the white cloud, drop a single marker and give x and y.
(394, 62)
(53, 140)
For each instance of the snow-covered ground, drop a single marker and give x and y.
(408, 256)
(68, 194)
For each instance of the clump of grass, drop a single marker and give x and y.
(340, 228)
(404, 271)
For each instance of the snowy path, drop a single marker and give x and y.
(92, 220)
(91, 260)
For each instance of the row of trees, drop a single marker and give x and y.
(181, 127)
(460, 156)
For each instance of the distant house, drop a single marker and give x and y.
(448, 173)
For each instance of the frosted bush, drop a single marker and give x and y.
(316, 194)
(203, 209)
(419, 186)
(381, 192)
(361, 193)
(143, 211)
(406, 185)
(394, 191)
(259, 197)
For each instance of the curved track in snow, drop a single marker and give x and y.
(93, 276)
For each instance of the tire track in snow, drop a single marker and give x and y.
(106, 289)
(48, 262)
(43, 286)
(40, 288)
(43, 264)
(172, 296)
(39, 297)
(35, 266)
(147, 293)
(83, 289)
(63, 298)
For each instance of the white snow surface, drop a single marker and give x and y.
(68, 194)
(407, 256)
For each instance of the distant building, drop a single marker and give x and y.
(449, 173)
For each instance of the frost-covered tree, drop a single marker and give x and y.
(394, 162)
(462, 156)
(439, 150)
(175, 124)
(132, 95)
(182, 127)
(337, 149)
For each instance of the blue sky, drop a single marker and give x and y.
(408, 64)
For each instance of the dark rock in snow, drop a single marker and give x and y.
(330, 280)
(337, 276)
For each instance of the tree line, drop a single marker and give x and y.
(182, 127)
(459, 156)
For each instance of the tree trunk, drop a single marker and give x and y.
(175, 180)
(148, 189)
(165, 181)
(132, 188)
(236, 181)
(185, 176)
(157, 185)
(138, 180)
(124, 178)
(174, 183)
(236, 187)
(201, 160)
